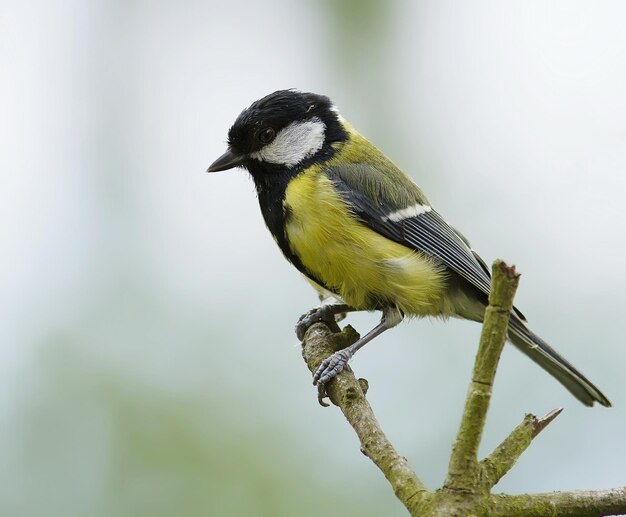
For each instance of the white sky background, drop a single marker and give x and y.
(511, 115)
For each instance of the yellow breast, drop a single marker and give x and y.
(360, 265)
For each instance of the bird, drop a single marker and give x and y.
(362, 232)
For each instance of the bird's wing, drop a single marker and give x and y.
(406, 218)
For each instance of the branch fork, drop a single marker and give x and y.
(467, 489)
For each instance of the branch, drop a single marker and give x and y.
(463, 468)
(577, 503)
(468, 484)
(504, 456)
(347, 392)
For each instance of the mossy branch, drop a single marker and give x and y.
(463, 468)
(504, 456)
(469, 481)
(348, 393)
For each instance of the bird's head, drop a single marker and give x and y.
(286, 129)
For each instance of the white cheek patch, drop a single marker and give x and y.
(408, 212)
(299, 140)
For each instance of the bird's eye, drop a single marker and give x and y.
(266, 135)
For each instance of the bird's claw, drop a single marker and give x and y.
(331, 366)
(310, 317)
(305, 321)
(322, 394)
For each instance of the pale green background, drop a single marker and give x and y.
(148, 363)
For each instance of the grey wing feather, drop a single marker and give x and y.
(427, 233)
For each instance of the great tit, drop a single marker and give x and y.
(361, 231)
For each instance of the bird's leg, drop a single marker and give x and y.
(335, 363)
(321, 313)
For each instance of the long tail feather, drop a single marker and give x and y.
(546, 357)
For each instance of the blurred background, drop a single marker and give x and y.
(148, 363)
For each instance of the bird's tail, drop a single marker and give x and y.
(546, 357)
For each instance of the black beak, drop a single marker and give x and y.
(227, 161)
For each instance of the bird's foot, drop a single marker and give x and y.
(331, 367)
(323, 313)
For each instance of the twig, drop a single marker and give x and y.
(463, 468)
(504, 456)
